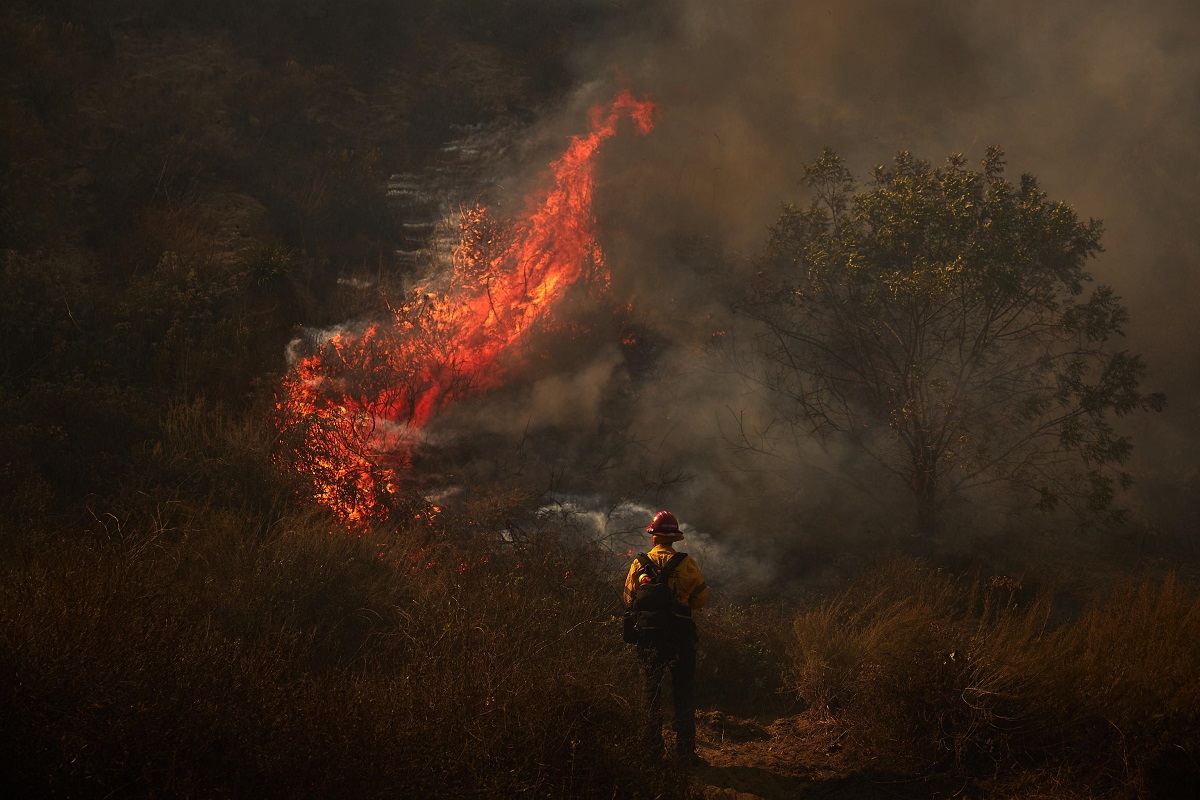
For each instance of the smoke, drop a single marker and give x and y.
(1099, 100)
(569, 400)
(621, 530)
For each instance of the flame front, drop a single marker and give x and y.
(350, 412)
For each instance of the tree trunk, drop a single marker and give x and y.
(927, 513)
(924, 487)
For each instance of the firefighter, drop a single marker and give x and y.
(670, 647)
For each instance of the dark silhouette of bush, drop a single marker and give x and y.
(742, 663)
(183, 656)
(923, 670)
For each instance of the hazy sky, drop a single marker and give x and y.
(1099, 99)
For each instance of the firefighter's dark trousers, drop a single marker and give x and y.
(656, 657)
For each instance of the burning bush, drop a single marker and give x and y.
(351, 411)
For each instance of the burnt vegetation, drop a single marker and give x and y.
(180, 188)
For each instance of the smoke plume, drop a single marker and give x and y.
(1096, 99)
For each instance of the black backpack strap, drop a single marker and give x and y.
(648, 566)
(660, 574)
(670, 566)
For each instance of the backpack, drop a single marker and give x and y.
(655, 613)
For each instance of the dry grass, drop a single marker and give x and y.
(198, 642)
(925, 670)
(310, 665)
(742, 659)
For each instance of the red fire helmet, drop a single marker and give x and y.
(664, 522)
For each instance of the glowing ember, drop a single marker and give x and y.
(351, 411)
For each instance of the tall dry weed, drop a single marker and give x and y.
(743, 658)
(923, 669)
(192, 658)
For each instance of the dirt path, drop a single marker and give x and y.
(749, 761)
(791, 757)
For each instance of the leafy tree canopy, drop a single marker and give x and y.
(941, 320)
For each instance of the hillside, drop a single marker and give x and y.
(190, 197)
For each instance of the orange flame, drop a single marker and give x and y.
(351, 411)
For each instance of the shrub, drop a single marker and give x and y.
(879, 656)
(743, 659)
(922, 668)
(190, 658)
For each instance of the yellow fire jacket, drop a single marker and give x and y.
(686, 581)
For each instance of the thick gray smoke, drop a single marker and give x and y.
(1098, 99)
(620, 529)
